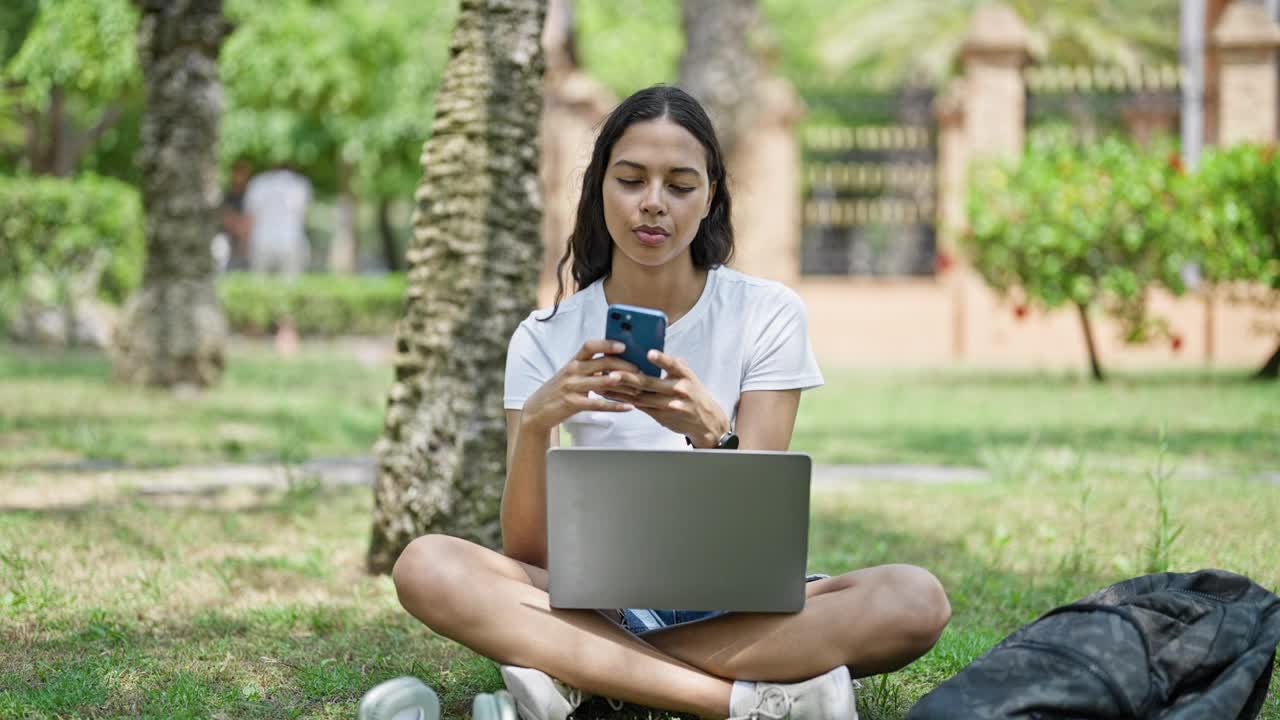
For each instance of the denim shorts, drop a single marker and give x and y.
(642, 620)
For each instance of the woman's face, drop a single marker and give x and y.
(656, 191)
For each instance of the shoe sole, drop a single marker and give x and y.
(494, 706)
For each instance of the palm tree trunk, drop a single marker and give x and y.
(1094, 365)
(172, 331)
(473, 267)
(721, 66)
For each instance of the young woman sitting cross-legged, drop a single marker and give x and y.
(653, 230)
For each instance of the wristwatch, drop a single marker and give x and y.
(727, 441)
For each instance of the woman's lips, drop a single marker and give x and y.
(652, 239)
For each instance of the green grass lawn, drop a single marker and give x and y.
(1222, 419)
(60, 409)
(249, 605)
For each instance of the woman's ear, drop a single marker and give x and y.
(710, 197)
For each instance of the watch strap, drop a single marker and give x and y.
(727, 441)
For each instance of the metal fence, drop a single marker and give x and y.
(1090, 103)
(870, 158)
(870, 187)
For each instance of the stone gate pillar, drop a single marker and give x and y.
(951, 176)
(996, 50)
(983, 115)
(1246, 39)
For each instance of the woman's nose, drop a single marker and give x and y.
(652, 202)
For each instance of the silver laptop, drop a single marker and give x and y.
(677, 530)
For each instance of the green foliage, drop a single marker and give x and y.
(1093, 224)
(60, 228)
(87, 46)
(629, 46)
(16, 17)
(317, 304)
(1103, 223)
(311, 83)
(1238, 229)
(86, 51)
(794, 25)
(115, 154)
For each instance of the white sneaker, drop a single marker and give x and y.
(539, 696)
(826, 697)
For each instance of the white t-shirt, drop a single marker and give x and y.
(744, 333)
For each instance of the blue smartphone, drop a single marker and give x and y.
(641, 329)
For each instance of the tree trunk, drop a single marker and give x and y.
(721, 64)
(346, 238)
(390, 248)
(56, 124)
(473, 265)
(172, 331)
(1271, 370)
(1087, 327)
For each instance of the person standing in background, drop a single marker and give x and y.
(235, 221)
(276, 202)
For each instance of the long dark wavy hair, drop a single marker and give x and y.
(590, 247)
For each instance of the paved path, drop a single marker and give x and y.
(52, 488)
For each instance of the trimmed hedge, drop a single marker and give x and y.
(318, 304)
(56, 227)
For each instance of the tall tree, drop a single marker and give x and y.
(172, 331)
(721, 64)
(473, 266)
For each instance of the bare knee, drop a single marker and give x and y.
(918, 608)
(428, 575)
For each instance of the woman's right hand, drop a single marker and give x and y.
(566, 393)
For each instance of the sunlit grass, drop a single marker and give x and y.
(60, 409)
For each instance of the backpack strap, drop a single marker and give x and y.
(1157, 683)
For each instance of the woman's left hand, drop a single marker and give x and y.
(679, 401)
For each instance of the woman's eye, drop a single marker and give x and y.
(682, 189)
(625, 181)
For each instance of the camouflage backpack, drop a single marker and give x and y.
(1173, 646)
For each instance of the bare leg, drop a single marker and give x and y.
(872, 620)
(498, 607)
